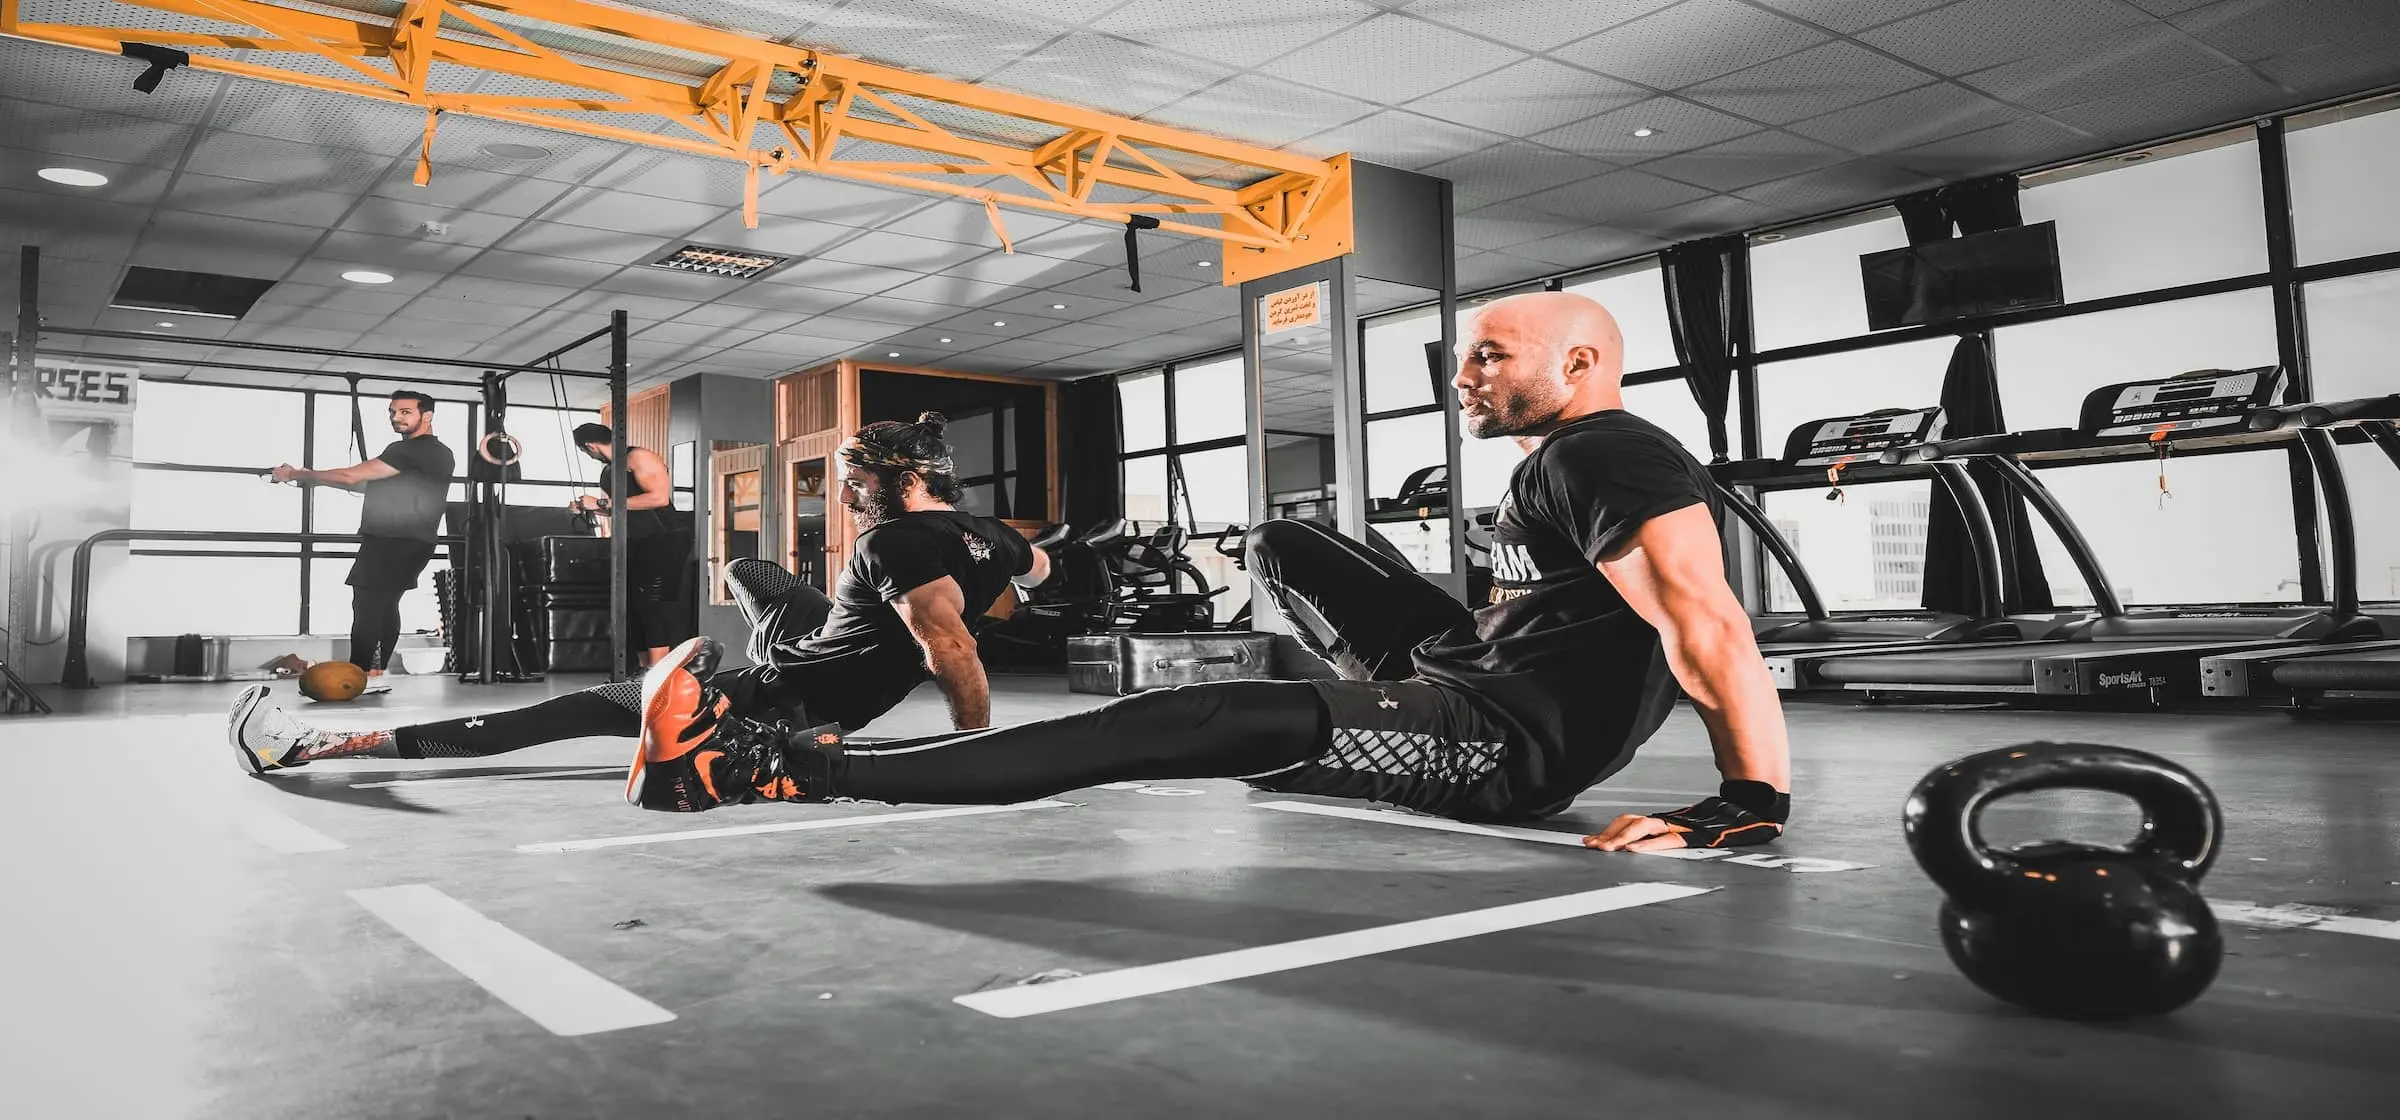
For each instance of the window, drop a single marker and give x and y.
(329, 596)
(2343, 164)
(1638, 299)
(1865, 551)
(1399, 447)
(1394, 360)
(1142, 408)
(742, 505)
(1905, 375)
(1218, 484)
(2046, 368)
(1669, 405)
(1208, 401)
(2223, 536)
(453, 424)
(1146, 489)
(2352, 335)
(245, 595)
(546, 441)
(207, 425)
(218, 502)
(2140, 226)
(1806, 287)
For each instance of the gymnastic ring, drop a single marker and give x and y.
(515, 450)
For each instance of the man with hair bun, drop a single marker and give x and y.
(897, 617)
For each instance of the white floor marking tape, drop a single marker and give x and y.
(786, 826)
(490, 777)
(1798, 865)
(1152, 979)
(2293, 916)
(562, 996)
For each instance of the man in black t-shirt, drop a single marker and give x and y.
(1608, 590)
(898, 616)
(405, 486)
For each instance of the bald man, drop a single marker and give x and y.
(1607, 591)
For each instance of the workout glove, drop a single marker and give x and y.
(1743, 813)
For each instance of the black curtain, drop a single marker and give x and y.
(1979, 206)
(1699, 288)
(1971, 407)
(1091, 489)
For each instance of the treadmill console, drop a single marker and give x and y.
(1822, 443)
(2196, 401)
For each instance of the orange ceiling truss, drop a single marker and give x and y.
(774, 107)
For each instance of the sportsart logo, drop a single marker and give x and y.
(2132, 678)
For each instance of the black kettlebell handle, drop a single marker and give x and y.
(2181, 825)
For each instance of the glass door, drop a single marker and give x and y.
(808, 538)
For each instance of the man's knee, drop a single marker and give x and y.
(1282, 537)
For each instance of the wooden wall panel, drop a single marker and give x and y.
(645, 419)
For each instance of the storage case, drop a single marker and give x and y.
(1120, 664)
(567, 560)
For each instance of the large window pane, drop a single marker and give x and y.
(219, 502)
(1394, 355)
(2343, 166)
(1208, 401)
(329, 597)
(547, 439)
(2353, 333)
(1669, 405)
(1864, 552)
(336, 448)
(1218, 483)
(1483, 467)
(2156, 224)
(1399, 447)
(1907, 376)
(2224, 535)
(1807, 288)
(1142, 407)
(191, 424)
(2047, 367)
(1638, 299)
(1146, 489)
(244, 595)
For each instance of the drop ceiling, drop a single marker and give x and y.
(1760, 111)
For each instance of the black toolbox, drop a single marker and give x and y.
(1120, 664)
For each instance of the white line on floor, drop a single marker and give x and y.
(1145, 980)
(562, 996)
(2303, 917)
(1798, 865)
(491, 777)
(785, 826)
(279, 833)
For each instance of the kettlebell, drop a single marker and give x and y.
(2065, 929)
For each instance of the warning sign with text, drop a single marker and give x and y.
(1292, 309)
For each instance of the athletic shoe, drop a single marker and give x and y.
(263, 737)
(695, 754)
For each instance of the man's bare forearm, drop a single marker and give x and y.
(960, 674)
(1720, 669)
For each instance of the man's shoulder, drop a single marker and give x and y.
(1615, 430)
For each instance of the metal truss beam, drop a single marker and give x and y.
(775, 107)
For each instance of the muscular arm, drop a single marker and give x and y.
(658, 486)
(1038, 574)
(353, 477)
(935, 614)
(1673, 574)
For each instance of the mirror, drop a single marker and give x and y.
(1406, 375)
(1295, 396)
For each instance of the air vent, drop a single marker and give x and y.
(738, 264)
(188, 293)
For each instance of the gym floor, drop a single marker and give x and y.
(382, 938)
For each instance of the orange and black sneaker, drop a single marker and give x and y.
(695, 753)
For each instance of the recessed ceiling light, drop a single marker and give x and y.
(893, 354)
(367, 276)
(999, 322)
(1770, 237)
(1058, 307)
(73, 177)
(2134, 157)
(516, 152)
(945, 340)
(1645, 131)
(165, 323)
(1208, 264)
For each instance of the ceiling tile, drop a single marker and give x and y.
(1010, 326)
(1811, 83)
(2335, 69)
(897, 313)
(631, 213)
(1678, 126)
(787, 299)
(2207, 98)
(821, 198)
(512, 293)
(1239, 32)
(1150, 320)
(1031, 350)
(355, 322)
(1089, 336)
(1847, 16)
(1020, 269)
(1690, 42)
(1044, 302)
(1076, 241)
(469, 191)
(1498, 227)
(395, 255)
(1110, 283)
(532, 268)
(286, 163)
(967, 224)
(393, 218)
(839, 276)
(2013, 146)
(1479, 271)
(319, 118)
(67, 76)
(1395, 138)
(582, 243)
(1590, 245)
(1529, 97)
(952, 289)
(1851, 184)
(1613, 196)
(1262, 111)
(1392, 58)
(899, 251)
(233, 246)
(1908, 119)
(1740, 162)
(1708, 217)
(2251, 30)
(468, 311)
(1109, 74)
(1535, 25)
(643, 280)
(56, 130)
(1516, 168)
(948, 340)
(671, 175)
(1973, 34)
(2108, 65)
(951, 38)
(789, 237)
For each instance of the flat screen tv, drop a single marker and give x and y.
(1963, 278)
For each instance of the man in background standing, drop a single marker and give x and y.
(405, 487)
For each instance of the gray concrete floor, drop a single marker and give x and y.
(170, 955)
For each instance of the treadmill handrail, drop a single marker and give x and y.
(2326, 414)
(2079, 550)
(1810, 602)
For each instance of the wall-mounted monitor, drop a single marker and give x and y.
(1963, 278)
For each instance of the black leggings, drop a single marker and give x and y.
(374, 625)
(1375, 734)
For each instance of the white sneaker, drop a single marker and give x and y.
(263, 737)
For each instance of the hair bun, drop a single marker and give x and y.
(933, 421)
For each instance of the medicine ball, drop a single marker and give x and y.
(333, 681)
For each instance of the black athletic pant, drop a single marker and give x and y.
(658, 570)
(776, 606)
(374, 625)
(1375, 734)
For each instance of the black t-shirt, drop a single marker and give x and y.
(640, 523)
(409, 504)
(1557, 652)
(863, 661)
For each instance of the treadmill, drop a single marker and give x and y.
(2363, 670)
(1852, 450)
(2151, 655)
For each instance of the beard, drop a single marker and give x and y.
(1513, 413)
(877, 503)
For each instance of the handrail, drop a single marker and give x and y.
(1777, 546)
(77, 673)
